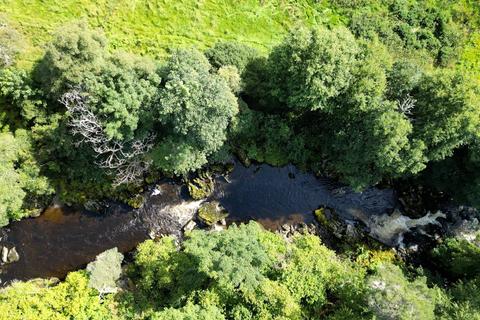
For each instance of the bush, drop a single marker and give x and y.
(230, 53)
(11, 44)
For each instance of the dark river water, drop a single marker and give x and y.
(63, 239)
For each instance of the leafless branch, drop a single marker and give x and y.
(406, 105)
(124, 158)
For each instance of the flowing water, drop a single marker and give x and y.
(64, 239)
(274, 196)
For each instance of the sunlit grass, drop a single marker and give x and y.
(154, 27)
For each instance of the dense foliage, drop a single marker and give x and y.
(244, 272)
(366, 91)
(367, 102)
(71, 299)
(23, 188)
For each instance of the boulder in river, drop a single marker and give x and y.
(190, 226)
(4, 254)
(212, 212)
(201, 187)
(9, 256)
(13, 255)
(36, 213)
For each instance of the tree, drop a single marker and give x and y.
(244, 271)
(121, 95)
(403, 78)
(231, 53)
(12, 195)
(240, 269)
(463, 301)
(231, 76)
(311, 67)
(108, 98)
(308, 277)
(195, 108)
(190, 312)
(458, 258)
(366, 147)
(446, 112)
(22, 103)
(42, 300)
(267, 138)
(104, 272)
(392, 296)
(23, 188)
(75, 54)
(120, 87)
(124, 157)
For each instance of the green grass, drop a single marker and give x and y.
(153, 27)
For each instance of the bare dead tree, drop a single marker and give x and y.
(5, 58)
(406, 105)
(124, 158)
(10, 44)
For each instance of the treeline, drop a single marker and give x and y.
(368, 102)
(244, 273)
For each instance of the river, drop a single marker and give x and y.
(63, 239)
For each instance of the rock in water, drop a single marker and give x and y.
(201, 187)
(13, 255)
(212, 212)
(4, 254)
(190, 226)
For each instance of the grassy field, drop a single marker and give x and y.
(152, 27)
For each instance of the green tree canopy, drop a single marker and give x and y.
(105, 271)
(311, 67)
(119, 87)
(195, 108)
(42, 300)
(393, 296)
(23, 186)
(447, 112)
(230, 53)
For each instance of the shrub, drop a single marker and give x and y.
(230, 53)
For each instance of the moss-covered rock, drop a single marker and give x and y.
(136, 202)
(201, 187)
(211, 213)
(371, 259)
(320, 216)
